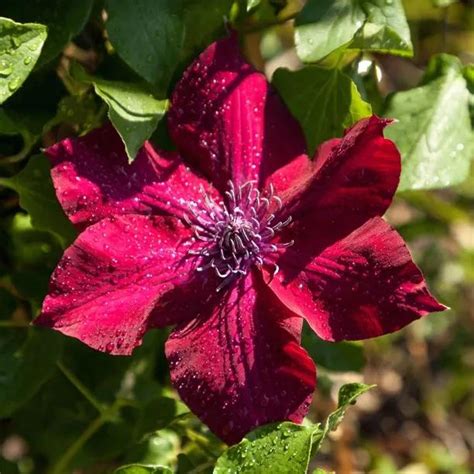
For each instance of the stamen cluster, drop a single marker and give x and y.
(239, 232)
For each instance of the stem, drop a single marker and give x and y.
(201, 467)
(13, 324)
(105, 416)
(82, 388)
(63, 462)
(267, 24)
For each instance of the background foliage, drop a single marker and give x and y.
(67, 66)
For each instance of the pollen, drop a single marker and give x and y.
(237, 232)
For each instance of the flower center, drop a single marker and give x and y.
(237, 233)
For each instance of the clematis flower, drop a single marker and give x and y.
(234, 239)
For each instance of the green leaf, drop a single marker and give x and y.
(324, 26)
(285, 447)
(434, 133)
(37, 196)
(166, 33)
(324, 101)
(278, 448)
(348, 395)
(27, 359)
(20, 47)
(63, 18)
(143, 469)
(338, 357)
(133, 110)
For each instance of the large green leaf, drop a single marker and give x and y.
(27, 359)
(64, 19)
(20, 47)
(37, 196)
(324, 26)
(434, 131)
(133, 110)
(272, 448)
(154, 37)
(325, 101)
(285, 447)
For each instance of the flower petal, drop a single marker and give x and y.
(93, 179)
(363, 286)
(227, 119)
(107, 285)
(351, 181)
(240, 364)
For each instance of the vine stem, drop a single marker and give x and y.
(63, 462)
(13, 324)
(267, 24)
(81, 388)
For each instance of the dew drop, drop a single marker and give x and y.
(13, 84)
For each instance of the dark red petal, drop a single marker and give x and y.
(351, 181)
(107, 284)
(229, 121)
(93, 179)
(363, 286)
(240, 364)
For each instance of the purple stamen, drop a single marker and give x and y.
(237, 234)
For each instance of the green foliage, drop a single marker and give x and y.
(37, 196)
(27, 360)
(63, 19)
(133, 110)
(65, 408)
(339, 357)
(325, 26)
(165, 32)
(434, 131)
(281, 448)
(325, 101)
(20, 47)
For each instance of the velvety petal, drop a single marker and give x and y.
(363, 286)
(351, 181)
(240, 365)
(227, 119)
(119, 278)
(93, 179)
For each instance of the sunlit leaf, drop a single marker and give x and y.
(433, 132)
(285, 447)
(324, 26)
(20, 47)
(133, 110)
(63, 18)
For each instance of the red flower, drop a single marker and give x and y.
(234, 240)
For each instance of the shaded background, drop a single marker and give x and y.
(419, 420)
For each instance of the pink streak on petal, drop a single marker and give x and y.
(106, 288)
(363, 286)
(93, 179)
(240, 364)
(227, 119)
